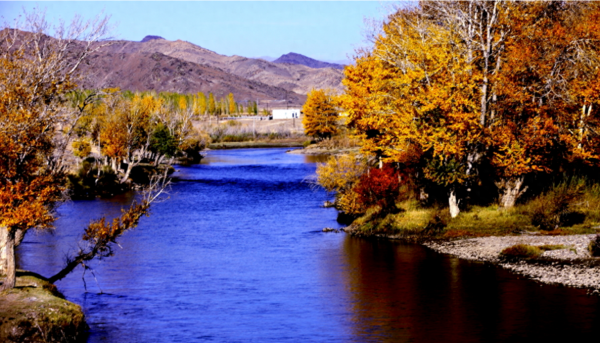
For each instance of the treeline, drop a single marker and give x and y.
(201, 104)
(472, 102)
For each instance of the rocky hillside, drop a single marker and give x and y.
(292, 77)
(141, 71)
(294, 58)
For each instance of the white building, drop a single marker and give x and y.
(287, 114)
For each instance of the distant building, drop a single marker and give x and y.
(287, 114)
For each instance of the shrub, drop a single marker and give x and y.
(551, 210)
(340, 173)
(520, 251)
(349, 202)
(594, 246)
(379, 187)
(438, 223)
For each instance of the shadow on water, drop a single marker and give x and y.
(236, 254)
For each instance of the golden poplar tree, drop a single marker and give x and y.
(231, 102)
(202, 106)
(320, 114)
(212, 106)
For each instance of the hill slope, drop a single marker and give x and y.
(141, 71)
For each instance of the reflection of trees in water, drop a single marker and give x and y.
(401, 293)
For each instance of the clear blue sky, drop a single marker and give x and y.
(328, 30)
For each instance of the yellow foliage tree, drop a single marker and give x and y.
(320, 114)
(212, 106)
(231, 103)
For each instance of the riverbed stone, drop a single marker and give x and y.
(35, 311)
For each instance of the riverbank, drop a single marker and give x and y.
(571, 266)
(34, 311)
(278, 143)
(315, 149)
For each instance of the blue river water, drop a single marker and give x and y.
(237, 254)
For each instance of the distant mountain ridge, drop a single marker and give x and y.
(294, 58)
(149, 38)
(297, 78)
(161, 65)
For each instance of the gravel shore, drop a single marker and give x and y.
(573, 267)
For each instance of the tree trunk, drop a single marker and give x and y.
(453, 204)
(510, 191)
(3, 238)
(8, 255)
(19, 235)
(113, 165)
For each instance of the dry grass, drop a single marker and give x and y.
(248, 130)
(338, 142)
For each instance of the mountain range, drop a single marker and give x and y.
(178, 66)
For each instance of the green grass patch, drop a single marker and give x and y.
(570, 207)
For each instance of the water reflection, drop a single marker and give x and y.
(402, 293)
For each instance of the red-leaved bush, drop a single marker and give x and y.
(379, 187)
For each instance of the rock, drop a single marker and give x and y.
(328, 229)
(34, 311)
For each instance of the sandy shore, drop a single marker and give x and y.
(573, 267)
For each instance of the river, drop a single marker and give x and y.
(236, 254)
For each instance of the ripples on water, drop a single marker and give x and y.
(236, 255)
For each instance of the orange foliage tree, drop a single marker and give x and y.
(36, 73)
(451, 86)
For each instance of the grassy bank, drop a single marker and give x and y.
(565, 209)
(34, 311)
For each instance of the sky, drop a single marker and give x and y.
(324, 30)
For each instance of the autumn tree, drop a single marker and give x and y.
(38, 71)
(340, 174)
(231, 103)
(452, 86)
(320, 114)
(124, 136)
(200, 104)
(212, 106)
(546, 93)
(414, 98)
